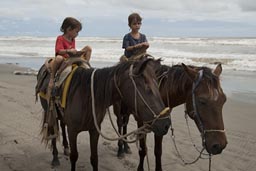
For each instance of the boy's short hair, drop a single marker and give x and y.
(134, 17)
(70, 22)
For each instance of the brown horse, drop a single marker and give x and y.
(133, 82)
(199, 88)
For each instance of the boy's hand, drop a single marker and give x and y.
(72, 51)
(75, 53)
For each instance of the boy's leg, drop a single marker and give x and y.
(87, 53)
(54, 67)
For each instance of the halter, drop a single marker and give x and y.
(142, 130)
(136, 91)
(202, 129)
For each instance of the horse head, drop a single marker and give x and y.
(139, 87)
(204, 105)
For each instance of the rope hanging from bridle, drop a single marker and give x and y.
(120, 137)
(136, 133)
(201, 128)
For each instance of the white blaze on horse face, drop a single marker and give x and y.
(215, 95)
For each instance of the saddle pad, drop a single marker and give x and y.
(66, 87)
(63, 75)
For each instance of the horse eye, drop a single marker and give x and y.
(202, 101)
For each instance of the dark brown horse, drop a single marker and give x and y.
(199, 88)
(132, 82)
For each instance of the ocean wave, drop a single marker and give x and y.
(206, 41)
(233, 53)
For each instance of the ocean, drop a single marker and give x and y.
(234, 53)
(237, 55)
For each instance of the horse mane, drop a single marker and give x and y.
(103, 84)
(180, 82)
(212, 80)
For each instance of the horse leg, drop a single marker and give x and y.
(94, 138)
(64, 136)
(55, 160)
(127, 149)
(142, 152)
(158, 152)
(120, 152)
(72, 136)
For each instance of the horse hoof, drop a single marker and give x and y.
(128, 151)
(140, 169)
(55, 163)
(120, 155)
(66, 151)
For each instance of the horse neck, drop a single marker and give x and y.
(177, 87)
(104, 86)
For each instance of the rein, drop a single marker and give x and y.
(136, 91)
(195, 111)
(147, 123)
(162, 77)
(120, 137)
(142, 130)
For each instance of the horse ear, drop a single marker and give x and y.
(190, 71)
(218, 70)
(159, 60)
(141, 66)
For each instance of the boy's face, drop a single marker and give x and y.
(73, 33)
(135, 25)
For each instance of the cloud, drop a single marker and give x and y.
(165, 9)
(97, 14)
(247, 5)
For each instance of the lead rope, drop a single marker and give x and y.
(136, 132)
(210, 162)
(189, 132)
(174, 142)
(201, 152)
(177, 150)
(179, 154)
(147, 153)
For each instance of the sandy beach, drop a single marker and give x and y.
(21, 148)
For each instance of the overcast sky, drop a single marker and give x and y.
(174, 18)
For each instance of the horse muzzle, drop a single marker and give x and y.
(216, 148)
(215, 143)
(161, 127)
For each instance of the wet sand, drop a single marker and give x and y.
(21, 148)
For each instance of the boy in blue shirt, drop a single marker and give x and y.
(134, 43)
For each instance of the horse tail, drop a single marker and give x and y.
(49, 128)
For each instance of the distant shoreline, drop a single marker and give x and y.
(239, 85)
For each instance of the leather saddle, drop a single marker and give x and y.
(63, 72)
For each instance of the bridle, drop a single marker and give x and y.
(196, 114)
(140, 131)
(136, 91)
